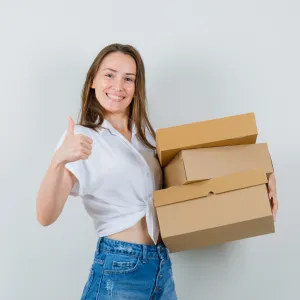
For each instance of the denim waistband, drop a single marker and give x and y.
(159, 251)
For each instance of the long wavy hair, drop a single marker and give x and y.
(92, 113)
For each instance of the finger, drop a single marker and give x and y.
(71, 126)
(85, 141)
(85, 152)
(88, 139)
(274, 210)
(270, 195)
(86, 145)
(270, 188)
(85, 138)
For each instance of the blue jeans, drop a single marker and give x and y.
(123, 270)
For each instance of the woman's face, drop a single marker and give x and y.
(114, 82)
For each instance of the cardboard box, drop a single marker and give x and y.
(200, 164)
(235, 130)
(214, 211)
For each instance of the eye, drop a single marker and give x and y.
(129, 79)
(109, 75)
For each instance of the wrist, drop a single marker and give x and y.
(57, 162)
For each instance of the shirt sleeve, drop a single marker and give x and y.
(80, 168)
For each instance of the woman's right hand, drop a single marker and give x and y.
(74, 147)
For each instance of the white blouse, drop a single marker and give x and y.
(117, 181)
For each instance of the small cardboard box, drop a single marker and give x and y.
(214, 211)
(206, 163)
(234, 130)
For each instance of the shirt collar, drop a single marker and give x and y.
(112, 130)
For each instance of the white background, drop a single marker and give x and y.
(204, 59)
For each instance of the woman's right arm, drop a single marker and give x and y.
(58, 181)
(54, 192)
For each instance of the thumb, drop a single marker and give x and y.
(71, 126)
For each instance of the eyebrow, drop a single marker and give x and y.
(116, 71)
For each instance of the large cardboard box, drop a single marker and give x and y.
(214, 211)
(234, 130)
(206, 163)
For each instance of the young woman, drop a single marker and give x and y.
(109, 160)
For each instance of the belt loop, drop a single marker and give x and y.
(144, 253)
(98, 246)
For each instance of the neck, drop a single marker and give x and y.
(119, 122)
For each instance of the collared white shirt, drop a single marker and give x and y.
(117, 181)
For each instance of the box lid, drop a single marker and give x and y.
(233, 130)
(206, 163)
(200, 189)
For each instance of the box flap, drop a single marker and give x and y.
(175, 173)
(200, 189)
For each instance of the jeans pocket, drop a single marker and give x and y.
(121, 264)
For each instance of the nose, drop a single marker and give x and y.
(118, 84)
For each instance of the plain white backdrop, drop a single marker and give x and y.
(203, 59)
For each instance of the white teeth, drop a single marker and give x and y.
(116, 98)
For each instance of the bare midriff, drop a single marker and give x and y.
(136, 234)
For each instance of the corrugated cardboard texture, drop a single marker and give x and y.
(200, 164)
(235, 130)
(188, 222)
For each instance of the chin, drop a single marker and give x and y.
(114, 109)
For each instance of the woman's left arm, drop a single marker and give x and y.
(273, 194)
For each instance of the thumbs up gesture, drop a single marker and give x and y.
(75, 146)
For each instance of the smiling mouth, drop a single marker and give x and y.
(114, 98)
